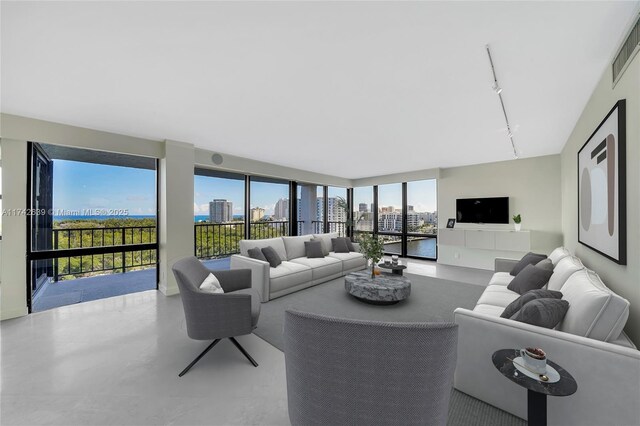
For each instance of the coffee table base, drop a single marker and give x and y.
(376, 302)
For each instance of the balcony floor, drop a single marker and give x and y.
(68, 292)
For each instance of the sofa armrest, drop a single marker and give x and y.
(259, 273)
(606, 373)
(504, 265)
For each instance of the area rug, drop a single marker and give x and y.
(431, 299)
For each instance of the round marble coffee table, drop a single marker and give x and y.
(384, 289)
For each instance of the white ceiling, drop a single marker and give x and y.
(347, 89)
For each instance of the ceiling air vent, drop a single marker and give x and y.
(628, 50)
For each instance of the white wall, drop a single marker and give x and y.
(533, 188)
(624, 280)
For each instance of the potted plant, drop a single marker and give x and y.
(372, 249)
(518, 221)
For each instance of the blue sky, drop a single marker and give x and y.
(78, 186)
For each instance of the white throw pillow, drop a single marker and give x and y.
(211, 285)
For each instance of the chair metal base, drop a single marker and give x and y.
(215, 342)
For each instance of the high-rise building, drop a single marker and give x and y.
(257, 213)
(281, 209)
(362, 208)
(335, 212)
(220, 211)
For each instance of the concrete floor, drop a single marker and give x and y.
(115, 361)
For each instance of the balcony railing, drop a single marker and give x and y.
(213, 240)
(118, 260)
(318, 227)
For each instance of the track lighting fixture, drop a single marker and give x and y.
(498, 90)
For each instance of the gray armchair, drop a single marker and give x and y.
(353, 372)
(217, 316)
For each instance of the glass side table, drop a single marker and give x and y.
(397, 269)
(537, 390)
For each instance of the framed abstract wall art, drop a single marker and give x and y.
(602, 206)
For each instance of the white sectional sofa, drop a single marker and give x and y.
(296, 272)
(589, 343)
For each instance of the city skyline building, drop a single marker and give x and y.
(257, 213)
(220, 211)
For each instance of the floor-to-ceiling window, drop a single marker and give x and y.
(422, 219)
(269, 208)
(337, 210)
(218, 212)
(390, 214)
(363, 212)
(94, 231)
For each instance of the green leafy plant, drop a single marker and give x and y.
(372, 248)
(517, 218)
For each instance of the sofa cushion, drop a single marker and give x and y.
(276, 243)
(501, 278)
(256, 253)
(327, 247)
(321, 267)
(545, 313)
(595, 311)
(565, 267)
(517, 304)
(558, 254)
(294, 246)
(350, 261)
(492, 310)
(287, 275)
(498, 295)
(528, 259)
(255, 303)
(272, 257)
(530, 278)
(313, 249)
(339, 245)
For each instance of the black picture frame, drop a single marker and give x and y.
(600, 150)
(451, 223)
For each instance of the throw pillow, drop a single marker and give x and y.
(545, 264)
(545, 313)
(313, 249)
(530, 278)
(517, 304)
(339, 245)
(256, 253)
(272, 256)
(528, 259)
(350, 245)
(211, 285)
(324, 247)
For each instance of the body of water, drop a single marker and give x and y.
(419, 248)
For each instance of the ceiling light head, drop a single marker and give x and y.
(497, 88)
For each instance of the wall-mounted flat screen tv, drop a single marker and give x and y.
(482, 210)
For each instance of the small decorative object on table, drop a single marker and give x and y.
(517, 219)
(394, 260)
(555, 381)
(372, 249)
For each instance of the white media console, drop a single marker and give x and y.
(477, 248)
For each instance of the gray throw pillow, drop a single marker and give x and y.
(545, 264)
(272, 256)
(545, 313)
(530, 278)
(256, 253)
(324, 250)
(313, 249)
(339, 245)
(528, 259)
(350, 245)
(517, 304)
